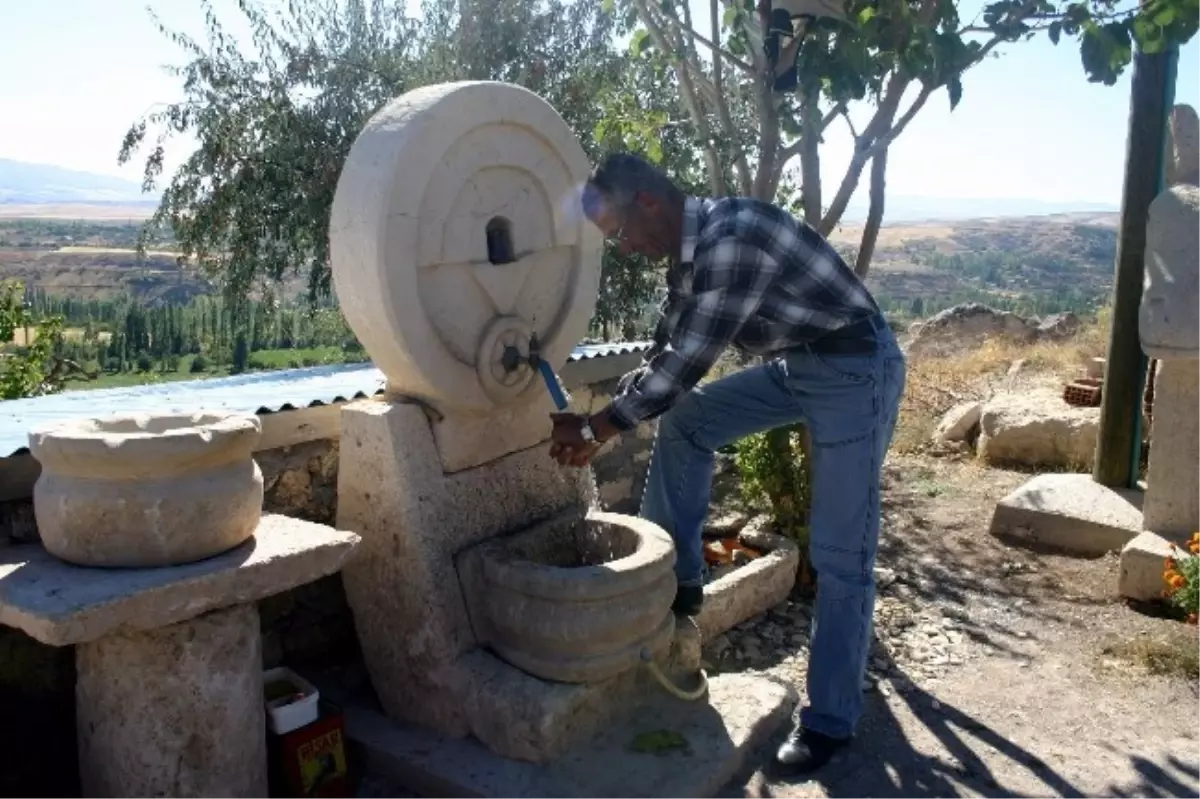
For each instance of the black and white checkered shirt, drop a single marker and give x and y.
(750, 275)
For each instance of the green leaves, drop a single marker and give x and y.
(1105, 51)
(640, 42)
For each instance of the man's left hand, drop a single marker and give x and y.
(567, 445)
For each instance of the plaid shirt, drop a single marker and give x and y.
(750, 275)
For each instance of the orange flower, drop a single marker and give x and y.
(1177, 581)
(1169, 563)
(1169, 575)
(1194, 547)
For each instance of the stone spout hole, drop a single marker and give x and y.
(499, 241)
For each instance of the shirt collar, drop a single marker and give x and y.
(691, 229)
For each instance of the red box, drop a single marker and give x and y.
(310, 761)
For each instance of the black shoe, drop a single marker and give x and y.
(688, 599)
(806, 751)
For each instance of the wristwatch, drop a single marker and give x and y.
(586, 431)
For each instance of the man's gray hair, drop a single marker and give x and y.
(621, 176)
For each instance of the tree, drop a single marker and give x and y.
(275, 123)
(241, 354)
(33, 369)
(750, 122)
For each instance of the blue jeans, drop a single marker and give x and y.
(849, 403)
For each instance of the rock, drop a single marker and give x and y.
(1183, 167)
(1070, 512)
(1143, 561)
(719, 645)
(964, 327)
(884, 577)
(960, 423)
(1037, 428)
(1058, 326)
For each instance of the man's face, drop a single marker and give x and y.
(636, 229)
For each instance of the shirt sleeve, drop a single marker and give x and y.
(730, 278)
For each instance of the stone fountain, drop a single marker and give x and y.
(508, 631)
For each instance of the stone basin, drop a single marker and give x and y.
(142, 490)
(574, 599)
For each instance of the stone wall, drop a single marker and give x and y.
(310, 626)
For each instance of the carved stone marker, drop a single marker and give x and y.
(1169, 320)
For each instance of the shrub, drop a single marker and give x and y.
(144, 363)
(199, 364)
(774, 471)
(1183, 581)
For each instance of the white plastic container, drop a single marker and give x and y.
(289, 713)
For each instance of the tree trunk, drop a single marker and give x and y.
(870, 234)
(810, 158)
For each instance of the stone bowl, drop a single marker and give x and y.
(574, 599)
(147, 490)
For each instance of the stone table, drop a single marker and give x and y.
(169, 689)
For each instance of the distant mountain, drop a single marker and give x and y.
(45, 184)
(900, 208)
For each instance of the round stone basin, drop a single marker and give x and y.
(576, 599)
(142, 490)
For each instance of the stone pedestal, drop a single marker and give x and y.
(176, 711)
(1172, 505)
(169, 660)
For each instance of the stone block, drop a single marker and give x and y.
(1071, 512)
(751, 589)
(466, 440)
(176, 711)
(739, 713)
(1037, 428)
(60, 604)
(1143, 562)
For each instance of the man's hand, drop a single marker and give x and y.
(567, 445)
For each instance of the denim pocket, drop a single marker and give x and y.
(858, 369)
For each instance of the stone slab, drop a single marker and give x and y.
(741, 712)
(1071, 512)
(60, 604)
(1143, 561)
(751, 589)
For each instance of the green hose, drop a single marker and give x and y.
(672, 688)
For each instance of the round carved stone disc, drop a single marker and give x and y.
(456, 229)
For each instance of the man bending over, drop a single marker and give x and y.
(745, 273)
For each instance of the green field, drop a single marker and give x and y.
(262, 361)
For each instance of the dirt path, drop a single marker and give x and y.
(1038, 681)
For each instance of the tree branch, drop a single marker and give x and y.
(715, 49)
(740, 166)
(716, 176)
(870, 234)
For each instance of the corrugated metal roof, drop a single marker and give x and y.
(254, 392)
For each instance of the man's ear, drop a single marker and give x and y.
(646, 201)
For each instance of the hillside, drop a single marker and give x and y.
(95, 259)
(1040, 264)
(1037, 264)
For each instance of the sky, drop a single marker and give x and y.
(77, 73)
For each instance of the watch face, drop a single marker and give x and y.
(586, 432)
